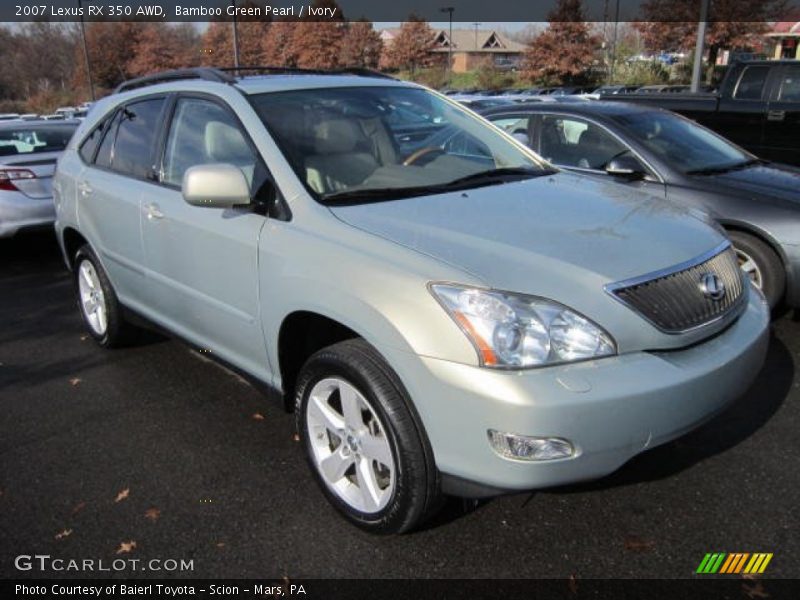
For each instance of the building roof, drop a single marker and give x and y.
(470, 40)
(791, 26)
(467, 40)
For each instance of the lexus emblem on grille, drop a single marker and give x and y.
(712, 286)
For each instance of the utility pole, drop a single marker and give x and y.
(86, 53)
(614, 45)
(449, 10)
(476, 35)
(235, 37)
(697, 68)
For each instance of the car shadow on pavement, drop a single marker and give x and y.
(730, 428)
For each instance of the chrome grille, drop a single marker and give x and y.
(675, 300)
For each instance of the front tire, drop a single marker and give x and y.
(761, 265)
(364, 444)
(97, 301)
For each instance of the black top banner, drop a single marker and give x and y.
(462, 11)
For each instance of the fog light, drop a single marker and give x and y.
(523, 447)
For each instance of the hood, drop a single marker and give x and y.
(561, 237)
(770, 180)
(502, 233)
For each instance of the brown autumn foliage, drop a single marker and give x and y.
(361, 46)
(160, 47)
(217, 45)
(111, 49)
(277, 46)
(672, 24)
(410, 49)
(564, 52)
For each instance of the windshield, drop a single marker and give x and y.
(27, 139)
(682, 142)
(348, 142)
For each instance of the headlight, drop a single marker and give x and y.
(515, 330)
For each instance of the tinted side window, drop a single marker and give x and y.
(790, 85)
(138, 128)
(92, 141)
(751, 83)
(203, 132)
(103, 158)
(577, 143)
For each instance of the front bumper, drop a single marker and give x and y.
(18, 212)
(610, 409)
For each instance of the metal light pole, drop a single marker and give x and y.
(698, 49)
(86, 52)
(235, 37)
(449, 10)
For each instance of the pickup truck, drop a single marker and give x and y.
(757, 107)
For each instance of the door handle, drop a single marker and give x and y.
(84, 188)
(776, 115)
(152, 211)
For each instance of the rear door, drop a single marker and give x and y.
(110, 188)
(202, 263)
(741, 116)
(782, 127)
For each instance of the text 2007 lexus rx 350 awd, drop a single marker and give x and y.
(446, 319)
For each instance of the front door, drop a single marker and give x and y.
(202, 263)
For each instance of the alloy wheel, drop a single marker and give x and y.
(93, 301)
(349, 445)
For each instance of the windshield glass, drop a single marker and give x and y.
(353, 141)
(682, 142)
(27, 138)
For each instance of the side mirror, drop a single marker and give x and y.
(215, 186)
(627, 167)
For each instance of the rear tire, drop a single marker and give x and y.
(98, 303)
(761, 265)
(363, 442)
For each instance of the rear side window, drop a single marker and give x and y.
(103, 158)
(133, 147)
(751, 83)
(92, 141)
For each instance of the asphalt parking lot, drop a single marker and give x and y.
(158, 452)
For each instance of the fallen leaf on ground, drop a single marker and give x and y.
(126, 547)
(152, 514)
(75, 381)
(84, 337)
(122, 495)
(78, 508)
(258, 417)
(220, 544)
(637, 544)
(296, 437)
(62, 534)
(754, 591)
(572, 584)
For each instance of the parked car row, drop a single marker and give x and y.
(608, 89)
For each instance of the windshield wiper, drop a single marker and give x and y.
(377, 194)
(473, 180)
(495, 175)
(725, 168)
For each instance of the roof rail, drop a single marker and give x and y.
(270, 70)
(204, 73)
